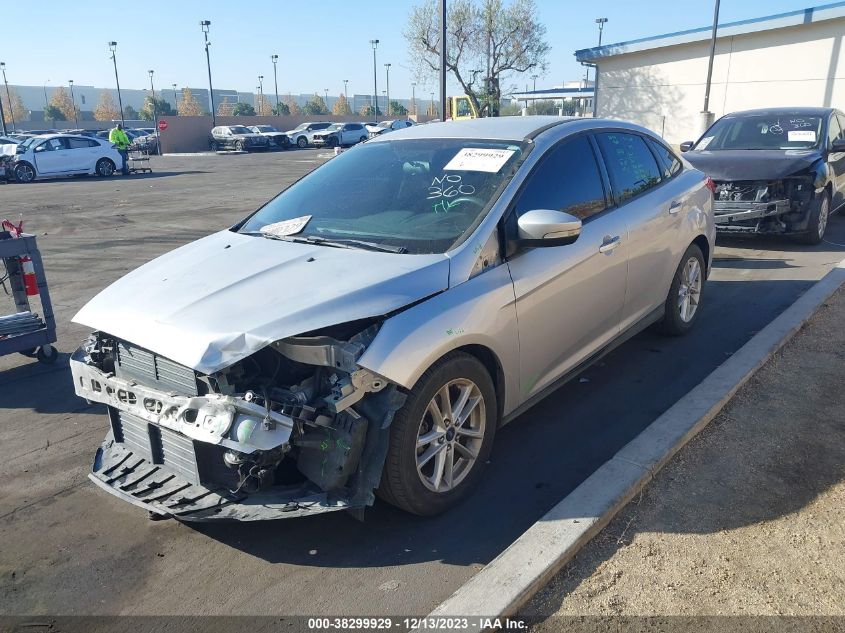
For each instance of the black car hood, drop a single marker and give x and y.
(752, 164)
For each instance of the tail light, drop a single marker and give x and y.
(708, 182)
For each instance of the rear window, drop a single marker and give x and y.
(669, 163)
(631, 165)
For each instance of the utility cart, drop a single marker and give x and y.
(23, 276)
(139, 161)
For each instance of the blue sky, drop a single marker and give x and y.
(319, 43)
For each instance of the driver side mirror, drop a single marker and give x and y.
(687, 146)
(546, 227)
(838, 145)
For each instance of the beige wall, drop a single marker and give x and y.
(795, 66)
(191, 133)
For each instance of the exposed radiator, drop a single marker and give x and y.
(156, 444)
(152, 370)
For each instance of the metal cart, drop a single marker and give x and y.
(139, 161)
(24, 331)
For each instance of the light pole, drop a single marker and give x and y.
(534, 87)
(387, 66)
(275, 59)
(375, 79)
(260, 95)
(345, 94)
(443, 49)
(155, 105)
(707, 116)
(600, 22)
(204, 24)
(175, 99)
(73, 102)
(8, 96)
(431, 107)
(414, 97)
(113, 49)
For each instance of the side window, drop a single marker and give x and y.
(57, 144)
(631, 165)
(78, 143)
(841, 119)
(834, 130)
(567, 180)
(669, 163)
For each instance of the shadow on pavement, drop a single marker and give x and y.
(540, 457)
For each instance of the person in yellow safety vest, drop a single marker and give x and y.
(118, 138)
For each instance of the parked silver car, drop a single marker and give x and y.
(303, 134)
(329, 347)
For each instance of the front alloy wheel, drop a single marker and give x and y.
(440, 440)
(819, 216)
(24, 172)
(450, 434)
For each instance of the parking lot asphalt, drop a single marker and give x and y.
(68, 548)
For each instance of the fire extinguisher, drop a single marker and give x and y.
(29, 280)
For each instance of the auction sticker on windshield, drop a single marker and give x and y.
(476, 159)
(286, 227)
(805, 136)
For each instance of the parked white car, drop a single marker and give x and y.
(388, 126)
(51, 155)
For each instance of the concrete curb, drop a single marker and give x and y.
(507, 582)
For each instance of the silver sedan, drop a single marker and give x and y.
(368, 330)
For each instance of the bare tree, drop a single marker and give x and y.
(105, 109)
(481, 34)
(292, 105)
(225, 107)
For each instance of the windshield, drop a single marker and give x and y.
(790, 131)
(334, 127)
(423, 195)
(265, 128)
(29, 141)
(301, 126)
(385, 123)
(239, 129)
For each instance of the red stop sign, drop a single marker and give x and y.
(162, 126)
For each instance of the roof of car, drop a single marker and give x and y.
(807, 111)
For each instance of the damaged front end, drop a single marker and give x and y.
(296, 428)
(764, 206)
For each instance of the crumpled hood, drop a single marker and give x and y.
(752, 164)
(215, 301)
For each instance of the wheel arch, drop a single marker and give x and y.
(28, 164)
(704, 245)
(493, 365)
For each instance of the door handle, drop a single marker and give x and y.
(609, 244)
(674, 207)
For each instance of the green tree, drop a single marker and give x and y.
(398, 109)
(315, 105)
(53, 113)
(341, 106)
(243, 109)
(282, 109)
(543, 107)
(162, 108)
(513, 35)
(130, 113)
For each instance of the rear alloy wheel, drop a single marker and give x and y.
(24, 172)
(441, 438)
(819, 216)
(302, 142)
(105, 167)
(681, 307)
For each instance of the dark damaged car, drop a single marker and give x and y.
(778, 171)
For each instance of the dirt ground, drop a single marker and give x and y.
(748, 519)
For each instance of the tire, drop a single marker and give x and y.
(105, 167)
(47, 354)
(240, 146)
(302, 142)
(679, 316)
(819, 217)
(362, 139)
(332, 142)
(214, 146)
(24, 172)
(417, 488)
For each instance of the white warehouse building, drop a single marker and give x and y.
(790, 59)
